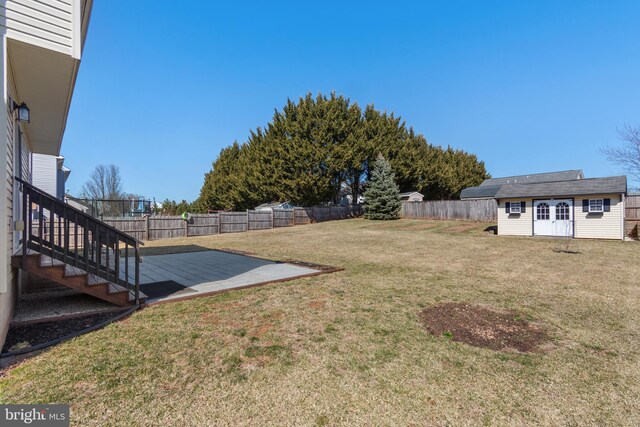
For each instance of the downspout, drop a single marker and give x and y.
(622, 215)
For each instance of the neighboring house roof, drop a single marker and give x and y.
(535, 178)
(410, 193)
(482, 192)
(271, 205)
(576, 187)
(71, 201)
(66, 172)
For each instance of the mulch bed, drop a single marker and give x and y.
(483, 327)
(30, 335)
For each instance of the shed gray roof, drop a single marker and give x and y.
(408, 193)
(576, 187)
(535, 178)
(482, 192)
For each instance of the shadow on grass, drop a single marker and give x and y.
(566, 251)
(175, 249)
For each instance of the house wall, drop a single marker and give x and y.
(605, 225)
(60, 184)
(8, 288)
(9, 275)
(45, 173)
(515, 224)
(50, 24)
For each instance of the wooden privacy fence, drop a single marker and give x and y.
(162, 227)
(632, 216)
(469, 210)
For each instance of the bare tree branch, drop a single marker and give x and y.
(627, 155)
(104, 182)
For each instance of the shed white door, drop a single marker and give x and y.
(553, 218)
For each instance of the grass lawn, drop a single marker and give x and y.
(348, 348)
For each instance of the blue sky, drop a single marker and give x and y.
(527, 86)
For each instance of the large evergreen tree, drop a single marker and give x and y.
(315, 148)
(382, 196)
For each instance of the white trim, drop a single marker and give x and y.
(622, 214)
(601, 210)
(4, 209)
(76, 29)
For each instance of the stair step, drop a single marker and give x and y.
(70, 271)
(76, 278)
(93, 280)
(47, 261)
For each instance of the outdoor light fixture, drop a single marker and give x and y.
(23, 112)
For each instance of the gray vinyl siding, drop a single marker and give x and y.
(60, 184)
(45, 23)
(8, 289)
(45, 173)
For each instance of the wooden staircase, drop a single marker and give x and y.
(69, 247)
(75, 278)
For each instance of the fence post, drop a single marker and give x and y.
(247, 219)
(219, 222)
(186, 228)
(147, 227)
(273, 219)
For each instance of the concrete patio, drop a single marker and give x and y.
(210, 271)
(200, 273)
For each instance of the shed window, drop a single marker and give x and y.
(596, 205)
(515, 208)
(542, 211)
(562, 211)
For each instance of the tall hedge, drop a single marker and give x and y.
(315, 148)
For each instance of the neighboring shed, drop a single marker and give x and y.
(274, 205)
(581, 208)
(411, 196)
(490, 186)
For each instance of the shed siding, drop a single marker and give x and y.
(515, 225)
(43, 23)
(607, 225)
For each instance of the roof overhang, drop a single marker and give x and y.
(44, 80)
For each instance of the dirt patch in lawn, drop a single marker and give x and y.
(483, 327)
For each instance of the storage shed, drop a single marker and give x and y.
(581, 208)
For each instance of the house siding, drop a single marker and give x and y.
(8, 277)
(607, 225)
(45, 173)
(9, 287)
(45, 23)
(515, 225)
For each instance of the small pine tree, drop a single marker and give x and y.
(382, 196)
